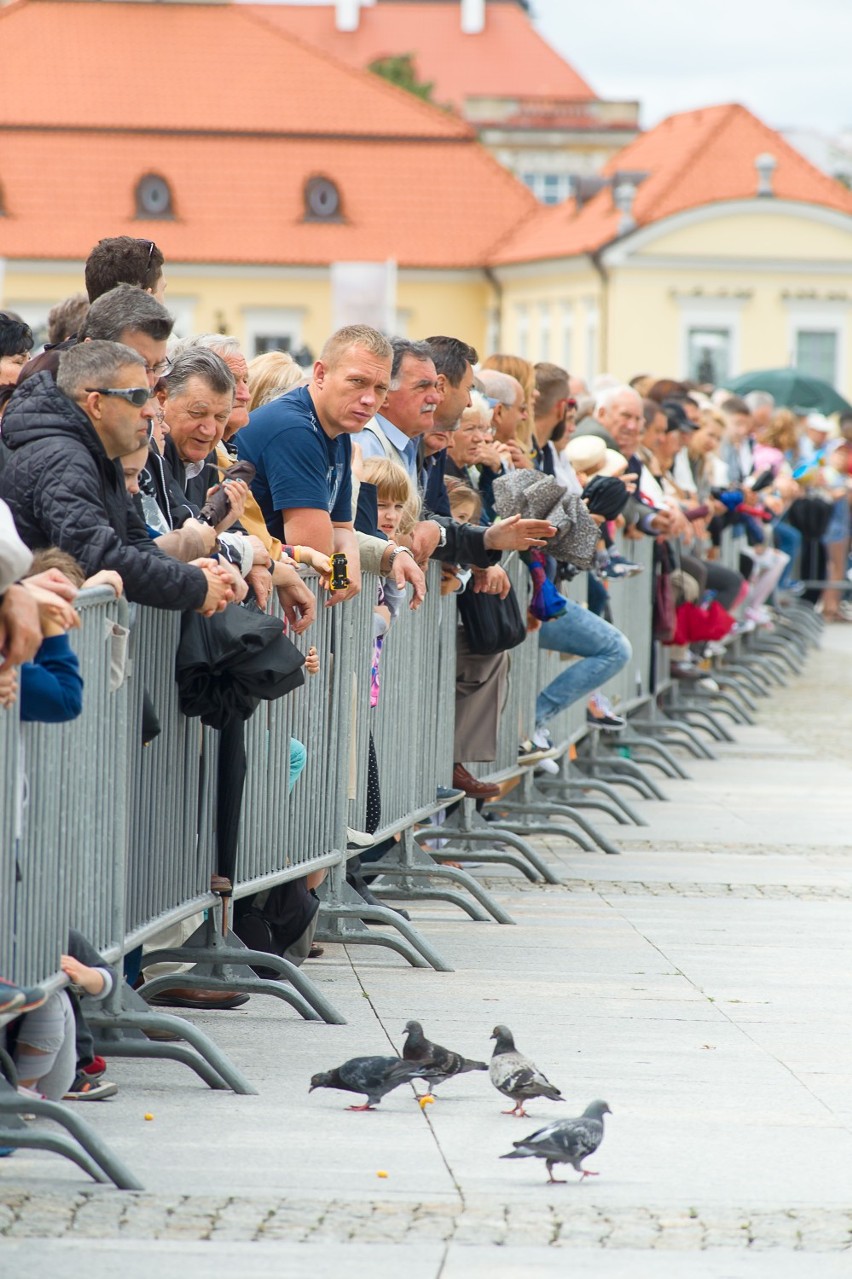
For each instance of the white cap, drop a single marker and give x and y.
(818, 422)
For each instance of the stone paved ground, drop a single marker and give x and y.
(700, 982)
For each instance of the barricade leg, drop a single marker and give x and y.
(466, 829)
(676, 731)
(412, 863)
(223, 963)
(84, 1147)
(343, 915)
(578, 791)
(535, 803)
(122, 1026)
(616, 768)
(673, 768)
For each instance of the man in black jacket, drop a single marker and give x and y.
(64, 487)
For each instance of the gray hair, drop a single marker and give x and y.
(607, 397)
(759, 400)
(197, 361)
(403, 347)
(126, 308)
(91, 364)
(222, 343)
(479, 409)
(499, 386)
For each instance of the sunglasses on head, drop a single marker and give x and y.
(135, 395)
(151, 247)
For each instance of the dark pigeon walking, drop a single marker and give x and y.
(515, 1076)
(566, 1141)
(372, 1076)
(440, 1063)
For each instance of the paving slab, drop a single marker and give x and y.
(699, 983)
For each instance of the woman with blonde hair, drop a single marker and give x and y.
(524, 372)
(271, 375)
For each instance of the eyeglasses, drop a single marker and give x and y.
(135, 395)
(151, 247)
(161, 369)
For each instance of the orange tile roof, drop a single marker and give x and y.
(507, 59)
(692, 159)
(190, 66)
(239, 200)
(236, 116)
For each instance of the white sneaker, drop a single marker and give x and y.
(548, 766)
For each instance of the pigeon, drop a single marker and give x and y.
(565, 1141)
(373, 1076)
(516, 1076)
(440, 1063)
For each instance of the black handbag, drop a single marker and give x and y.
(491, 625)
(228, 663)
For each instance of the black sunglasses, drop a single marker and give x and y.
(135, 395)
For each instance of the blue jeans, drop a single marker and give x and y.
(602, 647)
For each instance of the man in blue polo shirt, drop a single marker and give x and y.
(301, 448)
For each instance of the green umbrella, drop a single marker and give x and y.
(793, 389)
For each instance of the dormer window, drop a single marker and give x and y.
(153, 197)
(322, 201)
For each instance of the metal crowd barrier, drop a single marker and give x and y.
(63, 828)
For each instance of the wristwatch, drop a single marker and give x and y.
(442, 534)
(400, 550)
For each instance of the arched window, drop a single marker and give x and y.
(322, 201)
(153, 197)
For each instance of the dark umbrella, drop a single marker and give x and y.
(227, 663)
(793, 389)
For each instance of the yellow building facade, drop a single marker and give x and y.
(708, 293)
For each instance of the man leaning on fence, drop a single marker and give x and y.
(63, 485)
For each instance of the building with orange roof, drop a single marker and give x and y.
(486, 61)
(253, 159)
(710, 246)
(707, 243)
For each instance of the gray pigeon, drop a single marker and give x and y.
(516, 1076)
(373, 1076)
(440, 1063)
(566, 1141)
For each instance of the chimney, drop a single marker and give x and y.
(346, 14)
(623, 196)
(472, 17)
(766, 164)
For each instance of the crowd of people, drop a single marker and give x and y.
(190, 477)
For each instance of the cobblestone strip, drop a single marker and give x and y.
(680, 888)
(104, 1215)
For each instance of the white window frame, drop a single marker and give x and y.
(263, 321)
(711, 313)
(522, 329)
(182, 308)
(566, 334)
(545, 330)
(593, 320)
(806, 315)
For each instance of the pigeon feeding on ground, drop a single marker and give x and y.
(515, 1076)
(439, 1063)
(372, 1076)
(565, 1141)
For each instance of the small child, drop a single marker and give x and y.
(465, 504)
(44, 1043)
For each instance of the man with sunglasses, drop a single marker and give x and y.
(65, 489)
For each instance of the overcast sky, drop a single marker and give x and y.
(787, 60)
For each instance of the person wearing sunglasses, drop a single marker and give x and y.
(65, 489)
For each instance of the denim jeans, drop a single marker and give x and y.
(602, 647)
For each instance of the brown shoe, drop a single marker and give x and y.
(180, 997)
(463, 780)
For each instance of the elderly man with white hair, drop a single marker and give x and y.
(619, 415)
